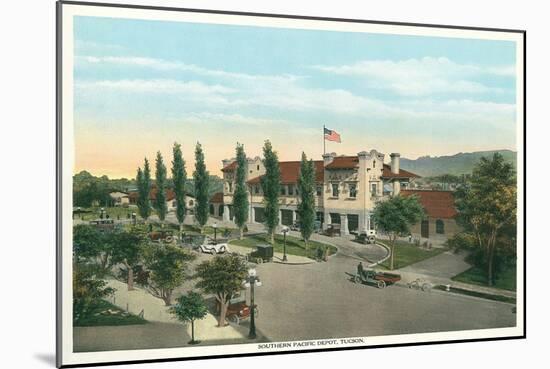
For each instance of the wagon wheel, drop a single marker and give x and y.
(357, 279)
(381, 284)
(235, 319)
(259, 260)
(426, 287)
(169, 239)
(222, 249)
(213, 251)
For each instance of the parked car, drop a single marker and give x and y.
(366, 237)
(333, 230)
(238, 310)
(210, 246)
(380, 279)
(103, 224)
(263, 253)
(166, 236)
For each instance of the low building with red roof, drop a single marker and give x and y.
(439, 206)
(170, 199)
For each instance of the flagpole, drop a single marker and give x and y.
(324, 141)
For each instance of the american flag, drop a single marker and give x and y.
(331, 135)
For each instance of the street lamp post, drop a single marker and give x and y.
(215, 231)
(285, 231)
(252, 280)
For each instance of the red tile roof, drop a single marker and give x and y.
(290, 172)
(344, 162)
(386, 173)
(230, 167)
(217, 197)
(437, 204)
(170, 194)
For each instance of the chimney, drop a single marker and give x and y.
(328, 158)
(395, 162)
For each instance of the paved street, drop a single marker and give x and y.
(319, 300)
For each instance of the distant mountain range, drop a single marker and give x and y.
(461, 163)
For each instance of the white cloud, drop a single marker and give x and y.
(166, 65)
(155, 86)
(420, 77)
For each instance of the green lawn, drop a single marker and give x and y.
(408, 253)
(506, 280)
(294, 246)
(97, 317)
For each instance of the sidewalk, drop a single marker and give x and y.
(154, 310)
(441, 268)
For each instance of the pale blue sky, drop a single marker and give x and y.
(156, 82)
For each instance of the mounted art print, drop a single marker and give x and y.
(240, 184)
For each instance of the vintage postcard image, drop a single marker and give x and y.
(236, 184)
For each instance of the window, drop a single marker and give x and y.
(439, 226)
(352, 190)
(191, 202)
(256, 189)
(374, 163)
(211, 209)
(335, 190)
(373, 189)
(230, 187)
(257, 167)
(319, 190)
(290, 190)
(283, 190)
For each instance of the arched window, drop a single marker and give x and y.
(439, 226)
(211, 209)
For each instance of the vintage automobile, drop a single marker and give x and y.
(316, 226)
(103, 224)
(263, 253)
(333, 230)
(209, 246)
(163, 236)
(238, 310)
(367, 237)
(380, 279)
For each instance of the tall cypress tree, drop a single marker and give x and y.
(160, 176)
(179, 176)
(144, 188)
(240, 197)
(201, 179)
(306, 207)
(271, 186)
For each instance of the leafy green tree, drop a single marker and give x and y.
(201, 178)
(160, 176)
(240, 197)
(271, 187)
(221, 276)
(129, 250)
(88, 290)
(487, 207)
(396, 216)
(189, 308)
(168, 266)
(143, 180)
(179, 177)
(306, 189)
(92, 245)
